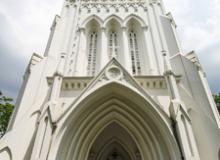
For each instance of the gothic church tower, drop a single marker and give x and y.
(113, 84)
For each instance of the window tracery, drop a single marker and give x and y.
(135, 54)
(113, 45)
(93, 39)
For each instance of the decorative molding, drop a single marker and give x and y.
(172, 21)
(35, 59)
(153, 2)
(110, 2)
(79, 84)
(107, 4)
(114, 73)
(81, 29)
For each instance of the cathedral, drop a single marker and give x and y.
(113, 84)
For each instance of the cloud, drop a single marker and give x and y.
(12, 67)
(25, 29)
(198, 28)
(30, 20)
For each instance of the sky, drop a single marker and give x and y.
(25, 27)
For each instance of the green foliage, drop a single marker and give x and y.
(6, 109)
(217, 101)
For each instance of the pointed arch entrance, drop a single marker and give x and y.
(115, 120)
(114, 143)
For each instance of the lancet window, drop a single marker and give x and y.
(113, 45)
(135, 54)
(93, 39)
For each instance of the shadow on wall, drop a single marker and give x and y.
(219, 154)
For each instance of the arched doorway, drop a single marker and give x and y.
(114, 143)
(116, 122)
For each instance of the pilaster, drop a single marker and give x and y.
(159, 3)
(150, 51)
(81, 61)
(104, 49)
(155, 36)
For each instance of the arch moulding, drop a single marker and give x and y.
(90, 18)
(107, 105)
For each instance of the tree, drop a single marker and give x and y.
(6, 109)
(217, 101)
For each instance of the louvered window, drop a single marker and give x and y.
(92, 53)
(113, 45)
(135, 55)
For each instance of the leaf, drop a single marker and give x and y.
(6, 109)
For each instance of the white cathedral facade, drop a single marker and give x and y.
(113, 84)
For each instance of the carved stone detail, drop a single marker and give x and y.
(107, 4)
(113, 72)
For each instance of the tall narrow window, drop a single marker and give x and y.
(113, 45)
(135, 55)
(92, 53)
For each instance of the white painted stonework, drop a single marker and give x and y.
(113, 84)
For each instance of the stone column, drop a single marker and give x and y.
(104, 49)
(69, 19)
(81, 62)
(150, 51)
(155, 36)
(156, 9)
(127, 57)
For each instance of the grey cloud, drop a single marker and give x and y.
(12, 65)
(11, 72)
(210, 61)
(11, 69)
(13, 62)
(22, 30)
